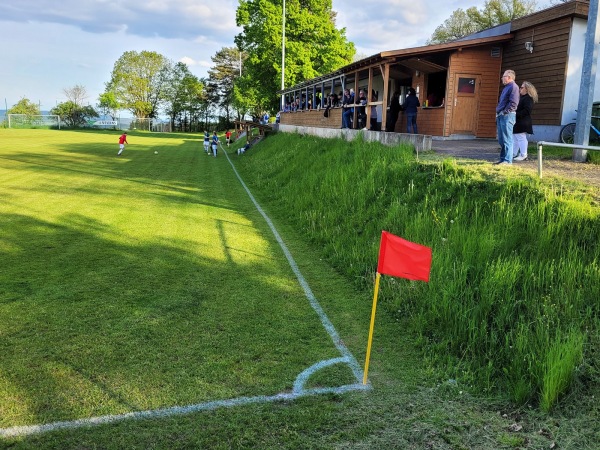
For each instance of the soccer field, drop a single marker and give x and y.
(144, 285)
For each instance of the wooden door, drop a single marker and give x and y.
(466, 104)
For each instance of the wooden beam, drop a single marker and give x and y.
(386, 77)
(369, 97)
(355, 115)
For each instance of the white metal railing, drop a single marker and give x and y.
(540, 144)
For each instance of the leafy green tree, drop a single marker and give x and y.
(206, 105)
(313, 44)
(108, 104)
(74, 115)
(458, 25)
(25, 106)
(184, 96)
(221, 78)
(139, 82)
(494, 12)
(242, 99)
(246, 97)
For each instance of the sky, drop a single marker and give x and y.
(55, 45)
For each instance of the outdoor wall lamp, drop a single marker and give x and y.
(529, 46)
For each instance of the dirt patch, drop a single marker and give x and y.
(584, 172)
(488, 150)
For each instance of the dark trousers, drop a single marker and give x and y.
(374, 124)
(391, 122)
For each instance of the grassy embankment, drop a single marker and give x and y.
(514, 299)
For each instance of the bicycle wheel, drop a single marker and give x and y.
(567, 134)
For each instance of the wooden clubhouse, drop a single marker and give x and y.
(458, 83)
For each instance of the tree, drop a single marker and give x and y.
(77, 94)
(74, 115)
(313, 45)
(139, 82)
(359, 56)
(242, 100)
(495, 12)
(246, 97)
(206, 106)
(108, 105)
(25, 106)
(458, 25)
(184, 96)
(221, 78)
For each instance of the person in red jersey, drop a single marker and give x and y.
(122, 142)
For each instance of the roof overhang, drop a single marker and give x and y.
(409, 57)
(422, 65)
(447, 46)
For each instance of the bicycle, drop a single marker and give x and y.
(567, 134)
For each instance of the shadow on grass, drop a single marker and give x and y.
(94, 323)
(141, 327)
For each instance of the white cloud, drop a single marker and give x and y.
(188, 61)
(375, 25)
(166, 18)
(55, 45)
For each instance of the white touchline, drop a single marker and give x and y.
(297, 392)
(307, 291)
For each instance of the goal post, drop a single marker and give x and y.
(149, 124)
(33, 121)
(161, 127)
(144, 124)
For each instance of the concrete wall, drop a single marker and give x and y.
(574, 70)
(547, 133)
(420, 141)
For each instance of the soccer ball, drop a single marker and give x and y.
(156, 152)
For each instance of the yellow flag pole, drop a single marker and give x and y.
(375, 294)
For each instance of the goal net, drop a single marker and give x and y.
(141, 124)
(147, 124)
(161, 127)
(33, 121)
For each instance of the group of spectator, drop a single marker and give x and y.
(351, 104)
(513, 113)
(333, 100)
(299, 104)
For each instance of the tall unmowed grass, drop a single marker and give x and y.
(514, 295)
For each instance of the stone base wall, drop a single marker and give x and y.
(421, 142)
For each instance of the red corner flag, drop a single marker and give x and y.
(401, 258)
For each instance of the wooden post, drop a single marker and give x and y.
(369, 98)
(385, 72)
(355, 115)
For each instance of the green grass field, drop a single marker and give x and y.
(140, 282)
(148, 282)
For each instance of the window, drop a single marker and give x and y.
(466, 85)
(436, 89)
